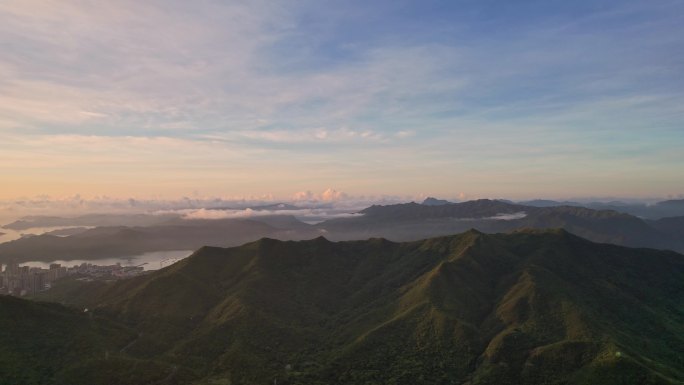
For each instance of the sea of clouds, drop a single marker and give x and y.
(306, 206)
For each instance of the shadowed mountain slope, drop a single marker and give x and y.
(43, 344)
(529, 307)
(673, 226)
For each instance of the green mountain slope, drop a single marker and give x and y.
(529, 307)
(44, 344)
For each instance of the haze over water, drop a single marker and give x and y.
(153, 260)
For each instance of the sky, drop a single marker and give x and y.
(277, 99)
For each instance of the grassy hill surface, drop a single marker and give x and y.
(531, 307)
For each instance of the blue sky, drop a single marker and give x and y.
(473, 98)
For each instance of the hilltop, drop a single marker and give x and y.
(430, 201)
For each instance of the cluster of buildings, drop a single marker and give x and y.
(22, 280)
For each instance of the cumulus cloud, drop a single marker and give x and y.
(333, 195)
(329, 195)
(304, 196)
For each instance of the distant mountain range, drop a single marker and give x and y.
(530, 307)
(669, 208)
(90, 220)
(106, 242)
(37, 221)
(413, 221)
(399, 222)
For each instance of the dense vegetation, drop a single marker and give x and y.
(43, 344)
(531, 307)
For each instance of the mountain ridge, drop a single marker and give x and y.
(486, 308)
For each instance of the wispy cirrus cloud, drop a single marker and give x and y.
(139, 68)
(168, 96)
